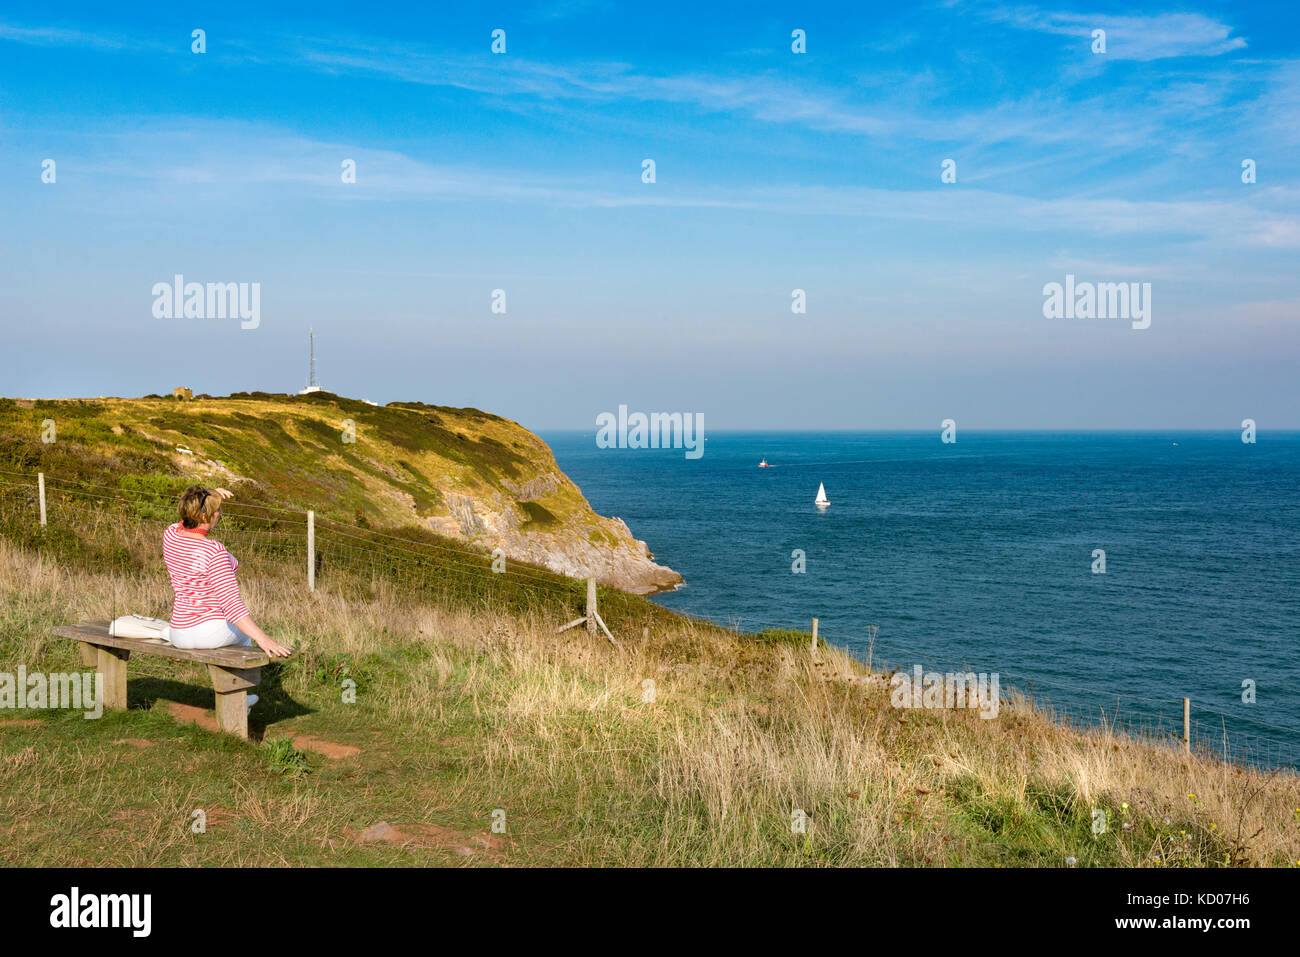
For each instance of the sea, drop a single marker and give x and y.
(986, 555)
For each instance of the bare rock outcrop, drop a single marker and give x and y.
(612, 555)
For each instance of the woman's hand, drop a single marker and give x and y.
(225, 492)
(262, 639)
(273, 647)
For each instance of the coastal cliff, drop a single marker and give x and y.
(460, 473)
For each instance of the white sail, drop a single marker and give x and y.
(821, 495)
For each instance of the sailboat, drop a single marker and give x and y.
(821, 501)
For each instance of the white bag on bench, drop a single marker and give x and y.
(138, 626)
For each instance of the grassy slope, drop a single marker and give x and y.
(406, 458)
(468, 702)
(463, 709)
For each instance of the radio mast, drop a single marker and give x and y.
(311, 366)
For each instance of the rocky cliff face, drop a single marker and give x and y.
(613, 556)
(519, 501)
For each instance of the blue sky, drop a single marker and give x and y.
(774, 171)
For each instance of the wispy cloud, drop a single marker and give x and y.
(1154, 37)
(63, 36)
(262, 156)
(1127, 117)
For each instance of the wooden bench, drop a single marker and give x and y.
(234, 669)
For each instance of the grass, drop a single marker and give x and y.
(463, 709)
(283, 758)
(393, 466)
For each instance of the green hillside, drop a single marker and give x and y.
(460, 473)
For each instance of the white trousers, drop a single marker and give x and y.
(209, 634)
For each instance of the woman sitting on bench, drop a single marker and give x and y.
(208, 612)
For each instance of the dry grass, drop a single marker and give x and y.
(740, 736)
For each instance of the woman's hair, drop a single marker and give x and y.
(198, 506)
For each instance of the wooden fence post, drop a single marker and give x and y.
(592, 617)
(40, 490)
(311, 551)
(1187, 725)
(814, 638)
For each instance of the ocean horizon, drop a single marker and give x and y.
(982, 555)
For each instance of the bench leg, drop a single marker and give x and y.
(111, 663)
(232, 712)
(231, 686)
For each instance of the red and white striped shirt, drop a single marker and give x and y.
(203, 577)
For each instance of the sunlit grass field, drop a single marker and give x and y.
(479, 737)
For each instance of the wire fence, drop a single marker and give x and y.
(1211, 732)
(123, 532)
